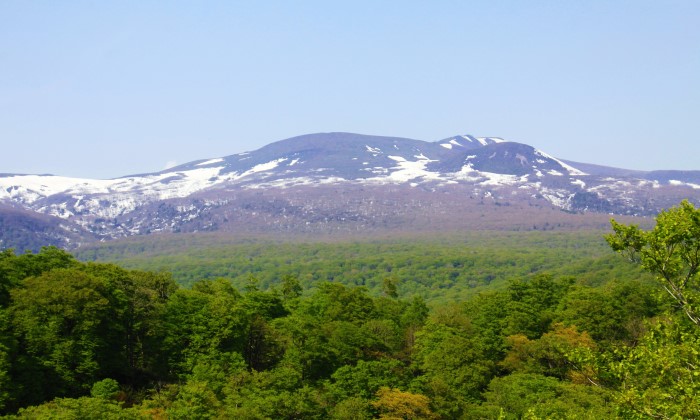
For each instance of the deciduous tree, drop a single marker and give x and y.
(671, 250)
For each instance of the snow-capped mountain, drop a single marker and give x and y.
(306, 160)
(285, 180)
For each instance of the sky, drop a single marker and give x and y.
(103, 89)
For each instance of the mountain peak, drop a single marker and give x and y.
(477, 166)
(468, 141)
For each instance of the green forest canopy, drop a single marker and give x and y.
(438, 268)
(585, 337)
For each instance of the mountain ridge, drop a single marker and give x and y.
(224, 193)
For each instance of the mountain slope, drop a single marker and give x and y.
(27, 230)
(289, 185)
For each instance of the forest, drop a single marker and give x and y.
(538, 327)
(440, 268)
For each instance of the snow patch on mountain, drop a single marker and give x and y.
(211, 162)
(125, 206)
(578, 182)
(408, 170)
(557, 198)
(492, 139)
(187, 183)
(569, 168)
(262, 167)
(501, 179)
(467, 174)
(683, 184)
(294, 182)
(34, 187)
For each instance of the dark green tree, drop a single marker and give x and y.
(451, 361)
(203, 322)
(389, 288)
(63, 321)
(532, 303)
(15, 268)
(291, 288)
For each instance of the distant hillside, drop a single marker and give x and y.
(340, 183)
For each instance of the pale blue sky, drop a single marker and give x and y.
(104, 89)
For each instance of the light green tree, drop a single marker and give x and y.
(671, 250)
(658, 377)
(394, 404)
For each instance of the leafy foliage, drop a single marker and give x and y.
(440, 269)
(671, 250)
(372, 331)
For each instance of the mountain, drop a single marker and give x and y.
(334, 182)
(28, 230)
